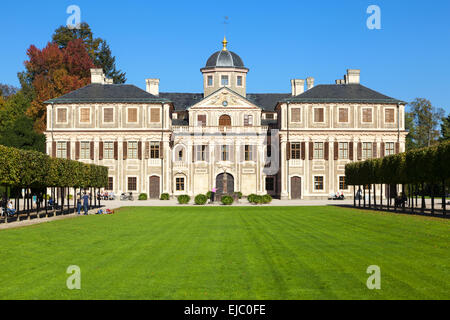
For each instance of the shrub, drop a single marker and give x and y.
(238, 194)
(143, 196)
(255, 199)
(164, 196)
(183, 199)
(200, 199)
(227, 200)
(267, 198)
(251, 198)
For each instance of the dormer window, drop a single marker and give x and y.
(224, 80)
(210, 81)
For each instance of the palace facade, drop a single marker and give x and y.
(291, 145)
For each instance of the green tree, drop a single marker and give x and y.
(19, 133)
(409, 126)
(445, 129)
(97, 48)
(426, 119)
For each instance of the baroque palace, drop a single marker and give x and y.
(290, 145)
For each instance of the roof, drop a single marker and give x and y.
(108, 93)
(182, 101)
(355, 93)
(224, 58)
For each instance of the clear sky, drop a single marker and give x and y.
(277, 40)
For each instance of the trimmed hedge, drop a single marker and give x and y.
(267, 198)
(184, 199)
(416, 166)
(227, 200)
(25, 168)
(238, 194)
(143, 196)
(164, 196)
(200, 199)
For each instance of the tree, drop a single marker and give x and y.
(445, 129)
(53, 72)
(409, 126)
(97, 48)
(426, 119)
(20, 134)
(7, 90)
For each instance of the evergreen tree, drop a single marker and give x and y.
(445, 128)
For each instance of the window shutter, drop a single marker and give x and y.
(311, 150)
(336, 150)
(100, 151)
(382, 150)
(54, 149)
(288, 151)
(140, 150)
(161, 149)
(116, 153)
(327, 149)
(374, 153)
(68, 150)
(397, 147)
(92, 150)
(303, 150)
(359, 151)
(350, 150)
(147, 150)
(125, 150)
(193, 153)
(77, 150)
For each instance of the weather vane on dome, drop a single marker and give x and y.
(224, 42)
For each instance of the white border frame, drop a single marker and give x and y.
(103, 116)
(384, 116)
(362, 117)
(314, 115)
(348, 115)
(56, 115)
(137, 115)
(79, 115)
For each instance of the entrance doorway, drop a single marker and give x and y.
(296, 188)
(154, 187)
(225, 183)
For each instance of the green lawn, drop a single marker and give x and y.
(229, 253)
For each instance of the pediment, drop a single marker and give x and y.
(224, 98)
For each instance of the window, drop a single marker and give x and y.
(61, 115)
(367, 150)
(201, 120)
(318, 150)
(108, 115)
(201, 153)
(343, 114)
(389, 148)
(224, 121)
(318, 115)
(179, 184)
(239, 81)
(343, 150)
(154, 115)
(270, 183)
(85, 115)
(210, 81)
(342, 184)
(132, 183)
(61, 149)
(85, 150)
(132, 114)
(367, 115)
(248, 120)
(269, 115)
(108, 150)
(295, 115)
(154, 150)
(110, 183)
(225, 153)
(318, 183)
(180, 155)
(295, 150)
(132, 150)
(248, 153)
(224, 80)
(389, 115)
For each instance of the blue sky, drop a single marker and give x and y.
(278, 40)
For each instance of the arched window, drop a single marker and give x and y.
(224, 121)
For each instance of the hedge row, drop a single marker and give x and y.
(23, 168)
(430, 165)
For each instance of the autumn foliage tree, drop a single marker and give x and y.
(53, 72)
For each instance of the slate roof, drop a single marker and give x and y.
(108, 93)
(182, 101)
(355, 93)
(224, 58)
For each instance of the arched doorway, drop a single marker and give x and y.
(224, 121)
(225, 183)
(296, 188)
(154, 187)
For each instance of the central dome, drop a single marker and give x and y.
(224, 58)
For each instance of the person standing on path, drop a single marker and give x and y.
(86, 203)
(213, 193)
(78, 205)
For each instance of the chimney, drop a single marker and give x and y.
(109, 81)
(353, 76)
(309, 83)
(297, 86)
(97, 76)
(152, 86)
